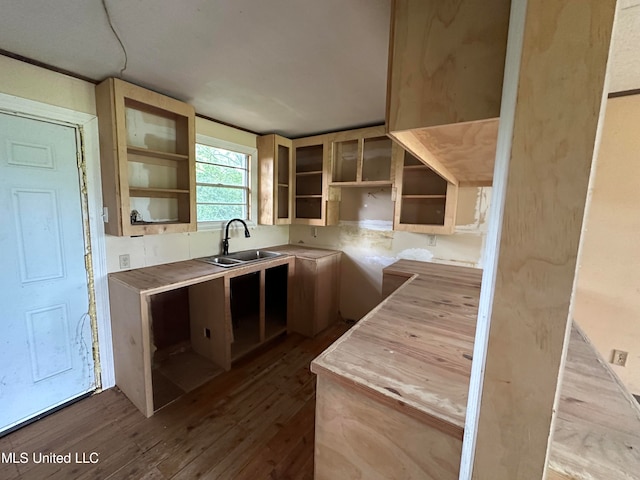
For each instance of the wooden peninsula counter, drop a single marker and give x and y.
(392, 392)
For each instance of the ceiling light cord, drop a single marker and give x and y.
(124, 50)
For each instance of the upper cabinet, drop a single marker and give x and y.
(275, 185)
(445, 84)
(311, 165)
(361, 157)
(147, 155)
(425, 202)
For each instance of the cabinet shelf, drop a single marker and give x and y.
(156, 192)
(416, 167)
(308, 196)
(146, 152)
(425, 196)
(375, 183)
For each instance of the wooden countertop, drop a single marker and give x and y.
(160, 278)
(413, 352)
(414, 349)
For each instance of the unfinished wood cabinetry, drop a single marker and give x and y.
(310, 159)
(425, 202)
(176, 326)
(361, 158)
(316, 292)
(445, 84)
(275, 187)
(147, 156)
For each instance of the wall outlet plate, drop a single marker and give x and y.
(619, 357)
(125, 261)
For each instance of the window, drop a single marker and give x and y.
(223, 182)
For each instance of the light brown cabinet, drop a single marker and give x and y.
(446, 66)
(275, 185)
(362, 157)
(311, 165)
(316, 291)
(147, 156)
(425, 202)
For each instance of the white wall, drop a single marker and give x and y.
(607, 294)
(369, 244)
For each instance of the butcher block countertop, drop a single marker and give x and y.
(160, 278)
(413, 353)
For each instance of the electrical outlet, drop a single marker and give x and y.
(314, 232)
(431, 240)
(125, 261)
(619, 357)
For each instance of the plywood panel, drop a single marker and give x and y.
(467, 150)
(553, 140)
(446, 62)
(131, 345)
(357, 437)
(207, 303)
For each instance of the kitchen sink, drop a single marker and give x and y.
(239, 258)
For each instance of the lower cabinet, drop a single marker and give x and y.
(316, 292)
(169, 342)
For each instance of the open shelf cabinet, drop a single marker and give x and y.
(425, 202)
(310, 160)
(147, 150)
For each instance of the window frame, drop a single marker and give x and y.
(252, 175)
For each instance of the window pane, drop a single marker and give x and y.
(212, 213)
(207, 173)
(207, 154)
(205, 194)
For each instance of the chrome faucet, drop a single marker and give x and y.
(225, 242)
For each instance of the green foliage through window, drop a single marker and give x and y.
(222, 184)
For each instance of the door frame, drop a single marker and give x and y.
(87, 125)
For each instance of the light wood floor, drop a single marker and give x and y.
(254, 422)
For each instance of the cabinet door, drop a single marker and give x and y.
(425, 202)
(316, 294)
(275, 180)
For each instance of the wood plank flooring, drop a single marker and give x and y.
(254, 422)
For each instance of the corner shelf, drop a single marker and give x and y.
(147, 150)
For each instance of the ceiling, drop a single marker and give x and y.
(294, 67)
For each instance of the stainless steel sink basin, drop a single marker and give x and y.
(239, 258)
(252, 255)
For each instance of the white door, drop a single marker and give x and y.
(46, 348)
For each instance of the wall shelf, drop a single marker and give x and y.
(147, 150)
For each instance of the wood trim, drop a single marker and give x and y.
(624, 93)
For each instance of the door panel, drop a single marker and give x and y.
(46, 356)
